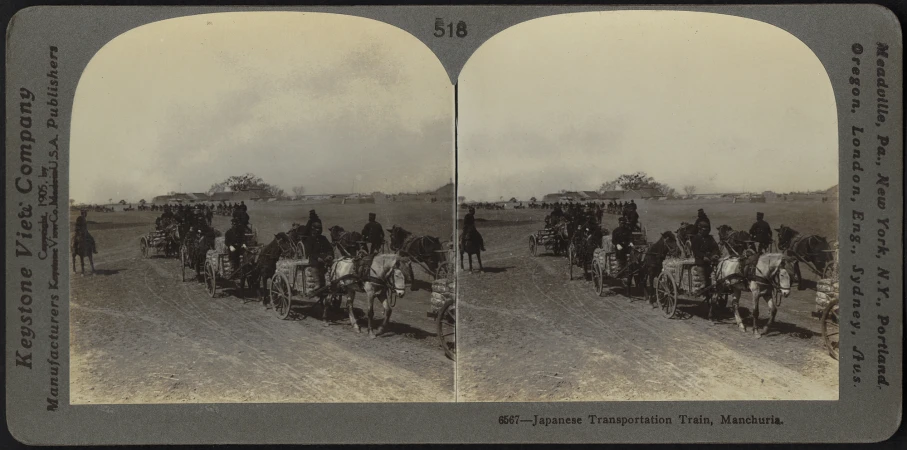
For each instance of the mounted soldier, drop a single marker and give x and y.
(373, 234)
(632, 218)
(761, 232)
(469, 226)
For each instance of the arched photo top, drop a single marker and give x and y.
(725, 103)
(288, 96)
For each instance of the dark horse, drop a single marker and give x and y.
(83, 246)
(423, 249)
(810, 249)
(735, 242)
(684, 233)
(652, 262)
(348, 243)
(469, 244)
(266, 264)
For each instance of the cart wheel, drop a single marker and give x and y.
(447, 329)
(281, 296)
(144, 245)
(830, 328)
(571, 255)
(598, 284)
(666, 294)
(184, 260)
(210, 279)
(533, 246)
(831, 271)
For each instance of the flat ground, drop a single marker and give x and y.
(141, 335)
(526, 333)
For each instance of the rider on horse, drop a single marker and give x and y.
(469, 228)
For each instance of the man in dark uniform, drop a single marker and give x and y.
(317, 246)
(373, 234)
(622, 239)
(469, 226)
(235, 240)
(703, 219)
(761, 232)
(706, 253)
(632, 218)
(313, 217)
(209, 214)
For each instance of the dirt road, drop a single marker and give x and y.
(527, 334)
(140, 335)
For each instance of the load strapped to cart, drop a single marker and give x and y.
(443, 308)
(164, 241)
(218, 265)
(681, 277)
(604, 259)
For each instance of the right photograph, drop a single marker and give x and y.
(648, 207)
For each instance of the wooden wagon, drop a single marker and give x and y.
(293, 280)
(164, 241)
(444, 310)
(549, 239)
(605, 263)
(681, 277)
(219, 267)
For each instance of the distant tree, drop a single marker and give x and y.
(689, 189)
(244, 182)
(663, 189)
(608, 186)
(109, 201)
(275, 191)
(72, 202)
(122, 202)
(461, 199)
(217, 187)
(634, 181)
(142, 201)
(513, 200)
(532, 200)
(298, 191)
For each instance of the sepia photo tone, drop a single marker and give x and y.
(623, 178)
(242, 185)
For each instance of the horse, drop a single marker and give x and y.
(684, 233)
(734, 242)
(652, 262)
(766, 275)
(809, 249)
(266, 263)
(420, 248)
(348, 243)
(375, 275)
(469, 244)
(83, 245)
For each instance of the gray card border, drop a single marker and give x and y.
(865, 412)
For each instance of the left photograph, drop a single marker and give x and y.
(262, 207)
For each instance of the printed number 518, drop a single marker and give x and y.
(442, 29)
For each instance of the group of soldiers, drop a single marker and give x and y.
(186, 215)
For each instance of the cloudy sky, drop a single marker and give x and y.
(318, 100)
(571, 101)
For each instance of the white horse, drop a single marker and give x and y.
(386, 274)
(770, 280)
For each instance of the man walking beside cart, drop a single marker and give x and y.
(373, 234)
(706, 253)
(761, 232)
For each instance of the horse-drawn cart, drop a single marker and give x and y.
(605, 263)
(219, 267)
(550, 239)
(164, 241)
(293, 278)
(681, 277)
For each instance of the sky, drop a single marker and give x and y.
(333, 103)
(569, 102)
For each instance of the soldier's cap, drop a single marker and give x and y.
(759, 214)
(700, 210)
